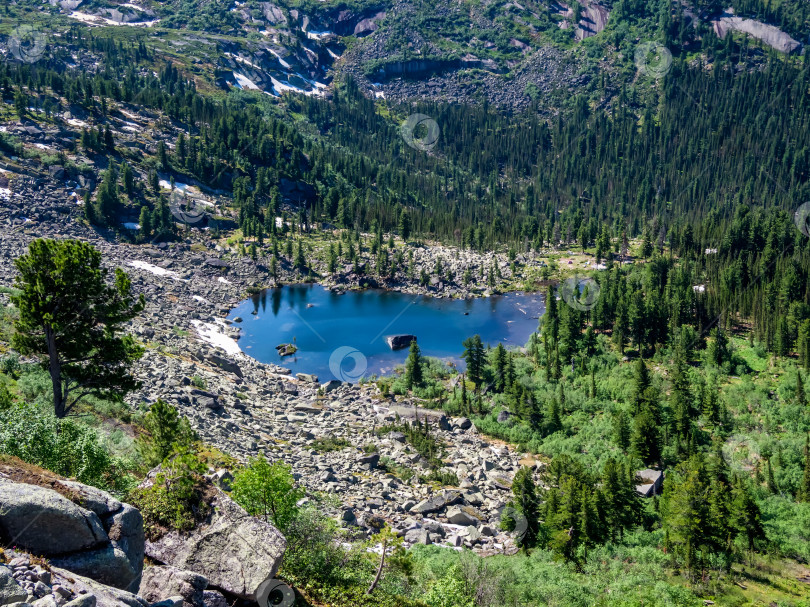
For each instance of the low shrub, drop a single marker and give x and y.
(63, 446)
(177, 499)
(325, 444)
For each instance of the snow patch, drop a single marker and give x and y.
(214, 334)
(243, 82)
(318, 35)
(280, 60)
(153, 269)
(97, 20)
(166, 185)
(279, 87)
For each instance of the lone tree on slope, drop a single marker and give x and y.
(72, 318)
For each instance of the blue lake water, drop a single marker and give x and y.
(343, 336)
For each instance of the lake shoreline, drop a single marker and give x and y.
(317, 324)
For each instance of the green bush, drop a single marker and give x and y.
(325, 444)
(313, 551)
(443, 478)
(176, 498)
(62, 446)
(165, 431)
(267, 491)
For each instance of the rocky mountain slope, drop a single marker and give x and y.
(511, 54)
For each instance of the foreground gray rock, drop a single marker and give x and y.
(45, 522)
(10, 590)
(106, 596)
(161, 582)
(233, 550)
(104, 541)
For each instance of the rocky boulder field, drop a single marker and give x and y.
(248, 407)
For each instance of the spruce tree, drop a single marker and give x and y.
(526, 502)
(145, 223)
(413, 367)
(333, 260)
(107, 200)
(474, 357)
(646, 441)
(746, 516)
(500, 365)
(404, 225)
(641, 381)
(622, 430)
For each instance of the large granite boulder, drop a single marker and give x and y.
(437, 503)
(45, 522)
(398, 342)
(233, 550)
(98, 537)
(161, 582)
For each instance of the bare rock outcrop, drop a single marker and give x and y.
(102, 538)
(233, 550)
(769, 34)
